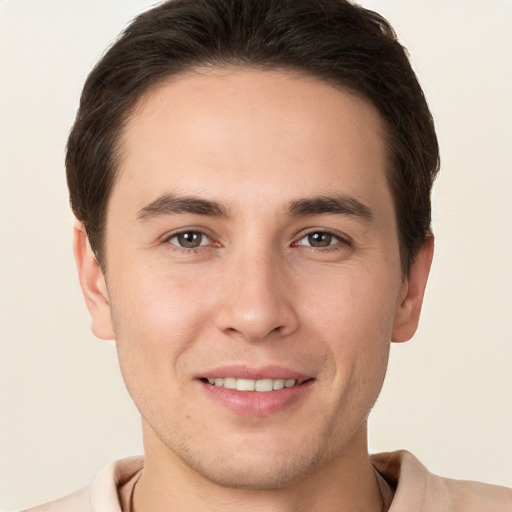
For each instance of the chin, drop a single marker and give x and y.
(256, 462)
(255, 475)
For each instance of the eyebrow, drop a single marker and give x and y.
(169, 204)
(339, 204)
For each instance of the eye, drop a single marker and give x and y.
(320, 239)
(189, 239)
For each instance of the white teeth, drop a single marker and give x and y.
(278, 384)
(245, 385)
(229, 383)
(264, 385)
(261, 386)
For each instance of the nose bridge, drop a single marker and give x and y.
(256, 300)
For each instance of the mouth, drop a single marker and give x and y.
(251, 385)
(255, 392)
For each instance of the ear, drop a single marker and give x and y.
(411, 295)
(94, 286)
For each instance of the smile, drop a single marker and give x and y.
(256, 392)
(260, 386)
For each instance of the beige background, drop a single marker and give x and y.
(63, 409)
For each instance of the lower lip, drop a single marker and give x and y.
(253, 403)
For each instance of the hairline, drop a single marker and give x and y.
(136, 104)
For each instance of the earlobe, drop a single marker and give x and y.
(93, 284)
(413, 290)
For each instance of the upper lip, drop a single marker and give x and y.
(254, 373)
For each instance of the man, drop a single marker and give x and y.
(252, 180)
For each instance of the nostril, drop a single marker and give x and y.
(255, 317)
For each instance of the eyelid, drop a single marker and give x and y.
(204, 239)
(341, 237)
(166, 239)
(187, 229)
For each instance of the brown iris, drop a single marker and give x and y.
(320, 239)
(189, 239)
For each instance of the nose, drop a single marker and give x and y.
(257, 299)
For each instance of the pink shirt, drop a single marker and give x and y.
(412, 488)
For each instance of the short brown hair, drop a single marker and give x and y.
(334, 40)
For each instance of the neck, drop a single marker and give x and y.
(346, 482)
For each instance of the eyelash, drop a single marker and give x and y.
(190, 250)
(340, 241)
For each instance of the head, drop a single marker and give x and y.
(331, 40)
(253, 178)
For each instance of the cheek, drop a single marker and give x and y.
(157, 316)
(353, 313)
(155, 299)
(351, 303)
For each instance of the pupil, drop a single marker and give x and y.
(190, 239)
(320, 239)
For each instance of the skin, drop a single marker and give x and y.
(257, 291)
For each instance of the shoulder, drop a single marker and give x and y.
(491, 498)
(79, 501)
(103, 494)
(418, 489)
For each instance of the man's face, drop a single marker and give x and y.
(251, 242)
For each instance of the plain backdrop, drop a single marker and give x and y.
(64, 412)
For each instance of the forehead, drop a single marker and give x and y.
(244, 134)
